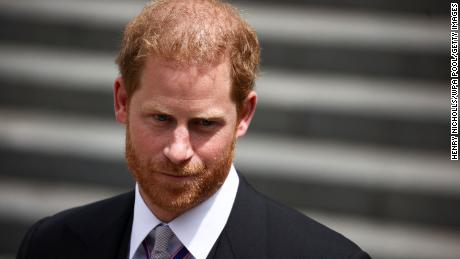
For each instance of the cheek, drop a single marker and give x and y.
(145, 141)
(215, 147)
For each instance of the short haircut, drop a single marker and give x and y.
(198, 32)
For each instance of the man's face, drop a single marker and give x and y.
(181, 132)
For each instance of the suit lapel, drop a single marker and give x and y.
(105, 231)
(244, 235)
(222, 248)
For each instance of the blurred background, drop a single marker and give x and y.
(352, 127)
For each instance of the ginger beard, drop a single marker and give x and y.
(178, 196)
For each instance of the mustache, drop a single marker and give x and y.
(189, 169)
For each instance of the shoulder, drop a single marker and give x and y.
(71, 224)
(294, 229)
(94, 212)
(289, 230)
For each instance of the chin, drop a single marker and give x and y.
(175, 189)
(179, 195)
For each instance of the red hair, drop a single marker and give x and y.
(191, 32)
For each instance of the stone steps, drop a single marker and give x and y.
(425, 7)
(299, 39)
(351, 127)
(382, 239)
(345, 108)
(393, 184)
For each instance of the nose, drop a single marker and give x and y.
(179, 149)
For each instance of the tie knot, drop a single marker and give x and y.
(163, 235)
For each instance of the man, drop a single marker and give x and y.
(185, 95)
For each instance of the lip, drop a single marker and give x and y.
(178, 177)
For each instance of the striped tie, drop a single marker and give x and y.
(163, 235)
(166, 245)
(182, 254)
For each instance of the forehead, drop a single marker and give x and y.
(186, 80)
(185, 88)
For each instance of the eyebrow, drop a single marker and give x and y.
(153, 107)
(211, 113)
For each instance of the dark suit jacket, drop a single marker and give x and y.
(257, 228)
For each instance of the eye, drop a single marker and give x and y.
(161, 117)
(206, 123)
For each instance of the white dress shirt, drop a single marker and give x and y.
(197, 229)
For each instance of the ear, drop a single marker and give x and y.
(120, 100)
(247, 112)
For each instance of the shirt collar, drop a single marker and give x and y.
(143, 223)
(198, 228)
